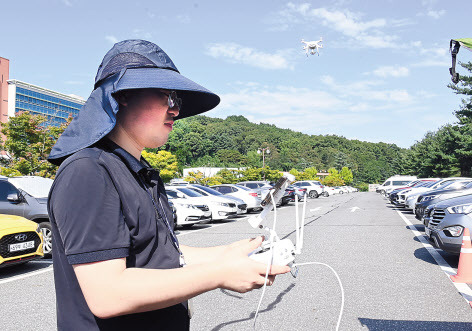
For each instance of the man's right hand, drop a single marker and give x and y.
(240, 273)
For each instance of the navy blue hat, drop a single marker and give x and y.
(130, 64)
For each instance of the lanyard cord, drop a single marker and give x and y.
(164, 218)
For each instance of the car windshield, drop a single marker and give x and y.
(243, 187)
(458, 185)
(198, 191)
(189, 192)
(400, 182)
(37, 187)
(429, 184)
(208, 190)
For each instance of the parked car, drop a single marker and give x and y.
(397, 196)
(412, 197)
(394, 182)
(456, 189)
(249, 196)
(446, 223)
(313, 187)
(187, 213)
(220, 198)
(20, 240)
(220, 210)
(205, 190)
(27, 196)
(300, 192)
(174, 214)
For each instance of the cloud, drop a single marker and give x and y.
(236, 53)
(435, 13)
(361, 33)
(391, 71)
(141, 34)
(299, 109)
(435, 56)
(112, 39)
(368, 90)
(67, 3)
(184, 19)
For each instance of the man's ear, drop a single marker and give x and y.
(122, 98)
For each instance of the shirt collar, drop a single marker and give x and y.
(130, 161)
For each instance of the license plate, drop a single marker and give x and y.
(427, 231)
(21, 246)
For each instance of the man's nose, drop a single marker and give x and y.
(174, 112)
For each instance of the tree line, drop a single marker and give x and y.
(448, 150)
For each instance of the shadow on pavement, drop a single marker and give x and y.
(271, 306)
(382, 325)
(20, 269)
(423, 254)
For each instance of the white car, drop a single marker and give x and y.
(313, 187)
(250, 197)
(330, 190)
(411, 197)
(219, 210)
(207, 191)
(189, 214)
(395, 182)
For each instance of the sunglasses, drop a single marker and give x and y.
(173, 101)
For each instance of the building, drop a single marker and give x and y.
(17, 96)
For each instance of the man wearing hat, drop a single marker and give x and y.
(117, 261)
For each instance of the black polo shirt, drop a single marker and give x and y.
(100, 209)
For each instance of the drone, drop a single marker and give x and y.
(312, 46)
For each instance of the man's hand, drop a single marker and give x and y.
(240, 273)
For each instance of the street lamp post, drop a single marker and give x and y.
(263, 150)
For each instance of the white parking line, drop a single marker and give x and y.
(462, 288)
(210, 227)
(29, 274)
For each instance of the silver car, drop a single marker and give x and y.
(446, 222)
(250, 197)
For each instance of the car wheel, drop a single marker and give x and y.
(325, 194)
(46, 231)
(313, 194)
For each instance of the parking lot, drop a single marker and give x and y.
(391, 279)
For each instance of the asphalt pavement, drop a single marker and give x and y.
(390, 279)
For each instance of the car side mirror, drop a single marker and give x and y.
(181, 195)
(14, 197)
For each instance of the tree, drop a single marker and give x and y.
(28, 142)
(311, 173)
(228, 176)
(163, 161)
(199, 178)
(333, 179)
(346, 175)
(462, 133)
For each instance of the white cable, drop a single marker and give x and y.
(297, 227)
(303, 223)
(340, 285)
(269, 262)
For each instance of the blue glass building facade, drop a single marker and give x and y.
(55, 106)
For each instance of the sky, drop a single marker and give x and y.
(381, 75)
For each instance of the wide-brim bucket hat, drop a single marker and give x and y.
(130, 64)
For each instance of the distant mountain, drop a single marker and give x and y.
(234, 141)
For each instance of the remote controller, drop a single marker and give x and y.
(283, 252)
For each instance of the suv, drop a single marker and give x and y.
(313, 187)
(27, 196)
